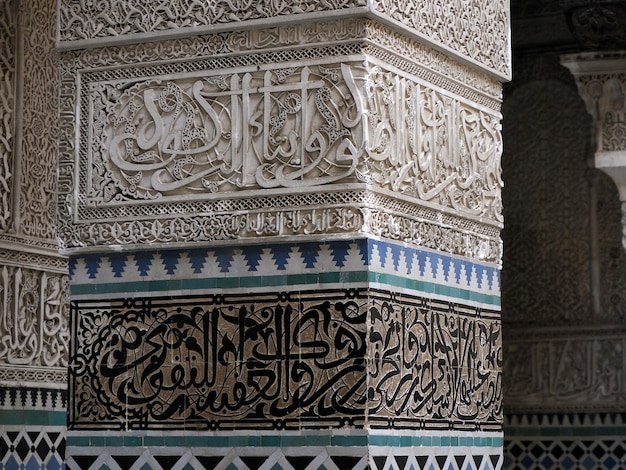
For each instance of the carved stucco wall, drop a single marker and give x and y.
(563, 278)
(476, 30)
(34, 284)
(159, 164)
(33, 279)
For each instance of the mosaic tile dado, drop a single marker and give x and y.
(286, 360)
(565, 441)
(343, 450)
(32, 428)
(289, 264)
(32, 447)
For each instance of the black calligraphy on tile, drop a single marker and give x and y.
(288, 360)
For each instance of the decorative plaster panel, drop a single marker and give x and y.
(565, 370)
(181, 137)
(7, 109)
(34, 307)
(476, 30)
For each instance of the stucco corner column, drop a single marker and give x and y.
(283, 222)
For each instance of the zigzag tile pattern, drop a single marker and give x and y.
(31, 447)
(12, 398)
(353, 261)
(283, 459)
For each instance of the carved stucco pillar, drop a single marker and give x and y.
(601, 80)
(34, 285)
(283, 227)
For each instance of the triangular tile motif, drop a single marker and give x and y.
(197, 258)
(209, 462)
(84, 461)
(254, 463)
(299, 462)
(252, 255)
(167, 461)
(339, 252)
(170, 261)
(421, 461)
(92, 262)
(401, 461)
(125, 461)
(118, 263)
(309, 253)
(494, 460)
(281, 255)
(345, 462)
(380, 461)
(143, 261)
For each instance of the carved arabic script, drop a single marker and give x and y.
(276, 128)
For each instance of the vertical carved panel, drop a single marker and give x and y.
(7, 108)
(612, 253)
(546, 236)
(39, 120)
(33, 317)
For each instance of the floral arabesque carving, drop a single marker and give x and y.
(38, 153)
(477, 29)
(80, 19)
(605, 97)
(7, 118)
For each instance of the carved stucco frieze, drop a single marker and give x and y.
(179, 139)
(601, 80)
(476, 30)
(564, 370)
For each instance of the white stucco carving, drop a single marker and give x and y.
(164, 146)
(478, 31)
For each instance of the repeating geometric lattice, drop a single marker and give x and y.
(563, 453)
(32, 448)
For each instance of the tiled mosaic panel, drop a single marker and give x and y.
(595, 441)
(342, 450)
(284, 360)
(32, 428)
(267, 266)
(279, 461)
(32, 447)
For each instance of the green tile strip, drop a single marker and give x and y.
(288, 280)
(432, 288)
(15, 417)
(566, 431)
(284, 441)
